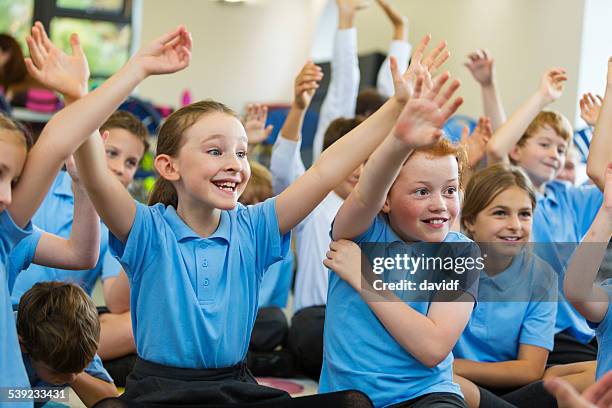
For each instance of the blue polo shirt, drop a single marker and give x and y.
(603, 331)
(193, 299)
(55, 216)
(517, 306)
(359, 353)
(564, 214)
(12, 371)
(95, 369)
(276, 283)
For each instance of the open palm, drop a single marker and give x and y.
(53, 68)
(167, 54)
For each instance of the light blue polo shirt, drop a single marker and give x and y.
(276, 283)
(564, 214)
(55, 216)
(95, 369)
(359, 353)
(12, 371)
(603, 331)
(193, 299)
(517, 306)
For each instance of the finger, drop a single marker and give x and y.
(32, 69)
(329, 255)
(418, 87)
(170, 36)
(35, 53)
(75, 43)
(46, 43)
(600, 99)
(445, 96)
(438, 82)
(450, 109)
(596, 391)
(420, 49)
(38, 39)
(328, 264)
(442, 58)
(429, 60)
(264, 113)
(485, 54)
(605, 400)
(465, 134)
(268, 130)
(563, 391)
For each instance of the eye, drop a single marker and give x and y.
(561, 150)
(111, 153)
(544, 145)
(525, 214)
(242, 154)
(214, 152)
(131, 163)
(451, 191)
(499, 213)
(421, 192)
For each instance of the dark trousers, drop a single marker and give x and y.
(434, 400)
(532, 395)
(569, 350)
(305, 340)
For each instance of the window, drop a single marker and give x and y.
(16, 18)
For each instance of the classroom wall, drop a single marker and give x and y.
(251, 52)
(242, 52)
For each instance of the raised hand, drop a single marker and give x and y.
(420, 123)
(255, 123)
(480, 65)
(400, 22)
(420, 67)
(598, 395)
(590, 107)
(306, 84)
(344, 258)
(53, 68)
(476, 143)
(552, 83)
(169, 53)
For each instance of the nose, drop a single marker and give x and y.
(554, 153)
(116, 168)
(514, 224)
(437, 203)
(233, 163)
(5, 194)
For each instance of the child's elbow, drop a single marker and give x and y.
(493, 153)
(86, 261)
(432, 357)
(594, 173)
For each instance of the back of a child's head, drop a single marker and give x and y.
(368, 102)
(485, 185)
(58, 325)
(338, 128)
(130, 123)
(13, 128)
(551, 119)
(170, 140)
(259, 187)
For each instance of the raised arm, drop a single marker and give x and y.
(341, 97)
(505, 138)
(601, 145)
(579, 285)
(167, 54)
(482, 68)
(82, 248)
(67, 74)
(590, 108)
(343, 157)
(286, 163)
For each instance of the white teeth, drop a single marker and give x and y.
(436, 221)
(226, 186)
(510, 238)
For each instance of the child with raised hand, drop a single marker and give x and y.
(482, 68)
(507, 340)
(590, 108)
(592, 300)
(403, 355)
(194, 253)
(537, 141)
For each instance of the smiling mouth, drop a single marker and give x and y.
(510, 239)
(436, 222)
(229, 187)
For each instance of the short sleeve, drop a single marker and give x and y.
(96, 369)
(586, 201)
(10, 234)
(139, 249)
(538, 327)
(22, 256)
(270, 245)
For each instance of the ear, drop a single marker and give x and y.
(515, 153)
(387, 205)
(21, 346)
(166, 167)
(469, 227)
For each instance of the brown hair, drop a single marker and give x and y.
(15, 70)
(10, 125)
(170, 140)
(446, 148)
(368, 102)
(58, 324)
(554, 120)
(126, 121)
(338, 128)
(259, 187)
(487, 184)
